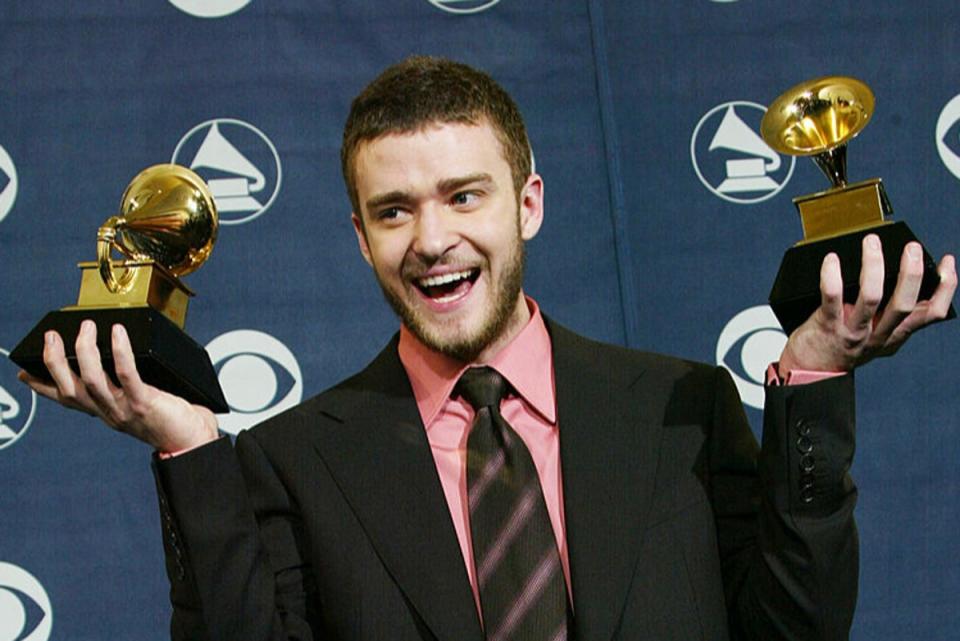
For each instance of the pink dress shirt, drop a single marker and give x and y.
(527, 363)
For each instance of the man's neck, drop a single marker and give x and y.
(518, 320)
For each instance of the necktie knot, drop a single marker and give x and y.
(482, 387)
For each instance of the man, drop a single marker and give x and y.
(365, 513)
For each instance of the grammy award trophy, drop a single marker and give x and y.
(166, 228)
(817, 118)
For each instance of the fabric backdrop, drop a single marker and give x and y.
(651, 239)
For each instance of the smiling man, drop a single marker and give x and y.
(492, 475)
(443, 228)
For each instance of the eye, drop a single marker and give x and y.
(21, 614)
(391, 216)
(464, 198)
(747, 345)
(259, 375)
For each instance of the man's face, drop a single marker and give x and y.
(443, 229)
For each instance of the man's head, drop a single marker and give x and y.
(443, 201)
(422, 91)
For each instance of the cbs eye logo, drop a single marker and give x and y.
(8, 183)
(25, 611)
(210, 8)
(260, 377)
(463, 6)
(948, 136)
(747, 345)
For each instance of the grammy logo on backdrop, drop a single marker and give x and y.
(166, 228)
(818, 118)
(231, 194)
(744, 174)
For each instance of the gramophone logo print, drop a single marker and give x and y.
(732, 160)
(18, 404)
(239, 164)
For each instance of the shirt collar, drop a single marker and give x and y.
(526, 362)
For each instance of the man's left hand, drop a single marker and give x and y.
(840, 336)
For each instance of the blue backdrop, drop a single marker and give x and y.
(633, 108)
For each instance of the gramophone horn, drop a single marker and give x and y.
(817, 118)
(168, 216)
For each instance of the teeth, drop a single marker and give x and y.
(434, 281)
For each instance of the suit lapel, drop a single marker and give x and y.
(608, 458)
(379, 455)
(381, 458)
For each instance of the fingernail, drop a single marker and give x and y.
(86, 326)
(913, 251)
(873, 242)
(48, 338)
(118, 331)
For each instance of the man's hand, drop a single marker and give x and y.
(839, 337)
(166, 422)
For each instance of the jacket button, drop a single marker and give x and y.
(804, 445)
(807, 463)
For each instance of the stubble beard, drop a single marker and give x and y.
(463, 348)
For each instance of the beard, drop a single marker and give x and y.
(465, 345)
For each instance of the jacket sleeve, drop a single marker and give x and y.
(231, 576)
(785, 526)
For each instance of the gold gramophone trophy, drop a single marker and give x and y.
(166, 228)
(817, 118)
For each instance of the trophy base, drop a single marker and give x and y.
(166, 357)
(796, 291)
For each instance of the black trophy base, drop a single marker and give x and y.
(166, 357)
(796, 292)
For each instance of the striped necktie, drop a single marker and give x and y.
(522, 591)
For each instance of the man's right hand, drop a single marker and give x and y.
(165, 421)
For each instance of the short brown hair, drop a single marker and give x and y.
(424, 90)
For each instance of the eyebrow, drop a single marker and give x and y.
(453, 184)
(391, 197)
(398, 197)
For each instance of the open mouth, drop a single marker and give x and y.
(444, 288)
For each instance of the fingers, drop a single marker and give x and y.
(125, 366)
(69, 388)
(831, 289)
(943, 295)
(871, 285)
(904, 298)
(40, 386)
(928, 311)
(98, 385)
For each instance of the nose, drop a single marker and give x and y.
(435, 233)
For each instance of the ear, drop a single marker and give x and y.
(361, 237)
(531, 207)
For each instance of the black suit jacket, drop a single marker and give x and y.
(329, 521)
